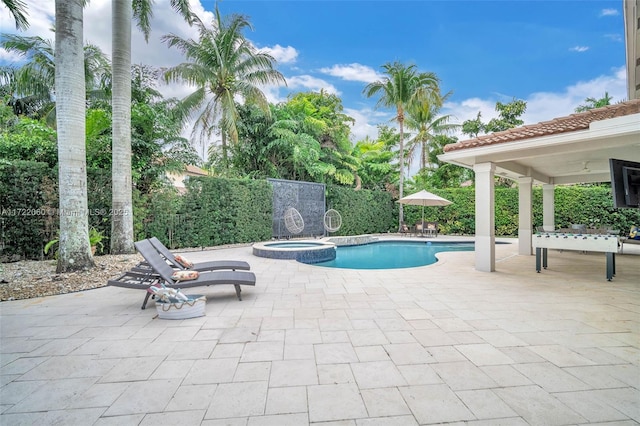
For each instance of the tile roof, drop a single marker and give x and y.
(195, 171)
(571, 123)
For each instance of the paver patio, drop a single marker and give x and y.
(309, 345)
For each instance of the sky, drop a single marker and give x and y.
(552, 54)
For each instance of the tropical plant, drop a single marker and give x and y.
(592, 103)
(320, 115)
(444, 175)
(74, 249)
(95, 238)
(424, 119)
(30, 140)
(18, 9)
(95, 241)
(508, 118)
(377, 168)
(400, 88)
(224, 66)
(31, 86)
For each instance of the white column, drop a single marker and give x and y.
(548, 207)
(525, 214)
(485, 217)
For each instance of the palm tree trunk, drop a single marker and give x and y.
(74, 250)
(122, 205)
(401, 182)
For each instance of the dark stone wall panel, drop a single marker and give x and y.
(306, 197)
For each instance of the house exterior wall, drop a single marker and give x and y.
(632, 43)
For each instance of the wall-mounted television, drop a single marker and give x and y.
(625, 183)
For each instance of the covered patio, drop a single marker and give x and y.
(566, 150)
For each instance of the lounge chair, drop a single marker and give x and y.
(159, 271)
(210, 265)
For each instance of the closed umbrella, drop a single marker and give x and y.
(424, 198)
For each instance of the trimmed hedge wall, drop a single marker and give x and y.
(216, 211)
(364, 211)
(29, 208)
(223, 211)
(26, 208)
(589, 205)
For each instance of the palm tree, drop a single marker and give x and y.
(33, 84)
(19, 11)
(122, 204)
(423, 118)
(121, 196)
(224, 66)
(74, 250)
(592, 103)
(400, 88)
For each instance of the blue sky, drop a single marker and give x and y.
(552, 54)
(477, 48)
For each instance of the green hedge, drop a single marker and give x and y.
(216, 211)
(364, 211)
(224, 211)
(589, 205)
(26, 208)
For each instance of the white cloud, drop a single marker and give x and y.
(579, 48)
(609, 12)
(614, 37)
(97, 29)
(353, 72)
(309, 83)
(281, 54)
(366, 122)
(544, 106)
(7, 57)
(40, 17)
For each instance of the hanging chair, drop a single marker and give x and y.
(332, 220)
(293, 221)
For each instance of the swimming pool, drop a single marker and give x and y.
(392, 254)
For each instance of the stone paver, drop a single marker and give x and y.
(441, 344)
(335, 402)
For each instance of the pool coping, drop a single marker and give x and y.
(323, 251)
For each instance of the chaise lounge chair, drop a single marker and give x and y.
(160, 271)
(210, 265)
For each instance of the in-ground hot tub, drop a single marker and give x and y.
(302, 251)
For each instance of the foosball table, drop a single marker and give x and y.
(581, 242)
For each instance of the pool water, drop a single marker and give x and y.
(391, 254)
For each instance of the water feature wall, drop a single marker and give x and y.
(306, 197)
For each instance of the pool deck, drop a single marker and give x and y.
(430, 345)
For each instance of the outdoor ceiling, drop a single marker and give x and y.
(580, 156)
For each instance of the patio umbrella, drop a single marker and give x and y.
(424, 198)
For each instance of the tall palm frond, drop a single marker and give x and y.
(143, 12)
(225, 68)
(32, 84)
(18, 9)
(423, 118)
